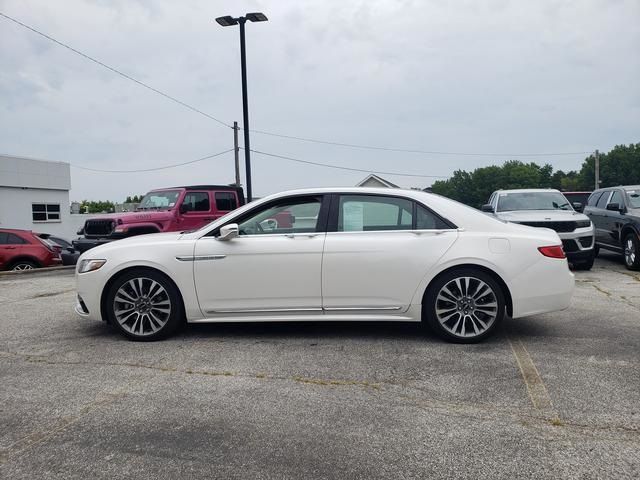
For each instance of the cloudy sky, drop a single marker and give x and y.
(497, 76)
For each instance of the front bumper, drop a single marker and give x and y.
(83, 244)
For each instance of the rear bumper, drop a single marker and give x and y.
(545, 287)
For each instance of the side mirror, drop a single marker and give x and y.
(577, 206)
(615, 207)
(487, 208)
(184, 208)
(228, 232)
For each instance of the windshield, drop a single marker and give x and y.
(157, 200)
(634, 198)
(508, 202)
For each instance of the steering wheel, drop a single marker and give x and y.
(271, 223)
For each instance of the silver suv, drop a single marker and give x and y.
(548, 208)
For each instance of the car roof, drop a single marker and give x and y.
(529, 190)
(200, 187)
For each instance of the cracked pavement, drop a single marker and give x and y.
(551, 396)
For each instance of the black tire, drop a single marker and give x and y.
(631, 249)
(596, 250)
(147, 319)
(585, 264)
(20, 265)
(466, 315)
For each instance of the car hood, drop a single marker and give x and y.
(541, 216)
(149, 240)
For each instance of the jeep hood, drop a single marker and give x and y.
(126, 218)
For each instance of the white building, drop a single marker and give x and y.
(34, 195)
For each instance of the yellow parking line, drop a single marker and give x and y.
(538, 392)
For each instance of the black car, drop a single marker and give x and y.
(615, 212)
(68, 253)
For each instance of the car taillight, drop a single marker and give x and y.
(553, 251)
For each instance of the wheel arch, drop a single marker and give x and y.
(124, 271)
(23, 258)
(503, 285)
(626, 230)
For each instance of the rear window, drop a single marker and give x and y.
(226, 201)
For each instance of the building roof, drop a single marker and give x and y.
(21, 172)
(373, 179)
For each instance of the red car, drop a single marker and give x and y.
(24, 250)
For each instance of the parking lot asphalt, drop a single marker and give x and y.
(551, 396)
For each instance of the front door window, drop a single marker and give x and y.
(299, 215)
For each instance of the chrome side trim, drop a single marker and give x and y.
(197, 258)
(271, 310)
(294, 310)
(368, 309)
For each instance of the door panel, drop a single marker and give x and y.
(259, 273)
(274, 265)
(378, 270)
(199, 211)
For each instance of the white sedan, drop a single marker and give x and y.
(343, 254)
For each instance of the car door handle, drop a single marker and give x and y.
(10, 248)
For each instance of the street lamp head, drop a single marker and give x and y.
(227, 21)
(256, 17)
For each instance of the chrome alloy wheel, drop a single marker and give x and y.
(22, 266)
(629, 251)
(142, 306)
(466, 307)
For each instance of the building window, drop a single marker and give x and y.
(45, 212)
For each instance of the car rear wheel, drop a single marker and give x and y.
(631, 247)
(464, 306)
(144, 305)
(21, 265)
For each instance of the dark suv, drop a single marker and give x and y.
(615, 212)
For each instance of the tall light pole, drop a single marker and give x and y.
(227, 22)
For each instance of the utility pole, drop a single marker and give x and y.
(236, 151)
(597, 161)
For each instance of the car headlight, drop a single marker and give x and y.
(583, 223)
(90, 265)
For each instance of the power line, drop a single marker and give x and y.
(347, 168)
(408, 150)
(156, 168)
(114, 70)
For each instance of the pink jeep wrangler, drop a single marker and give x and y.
(164, 210)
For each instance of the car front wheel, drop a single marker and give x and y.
(464, 306)
(631, 247)
(144, 305)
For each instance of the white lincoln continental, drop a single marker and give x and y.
(341, 254)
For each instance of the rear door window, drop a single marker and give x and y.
(362, 213)
(602, 201)
(226, 201)
(197, 202)
(593, 199)
(617, 198)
